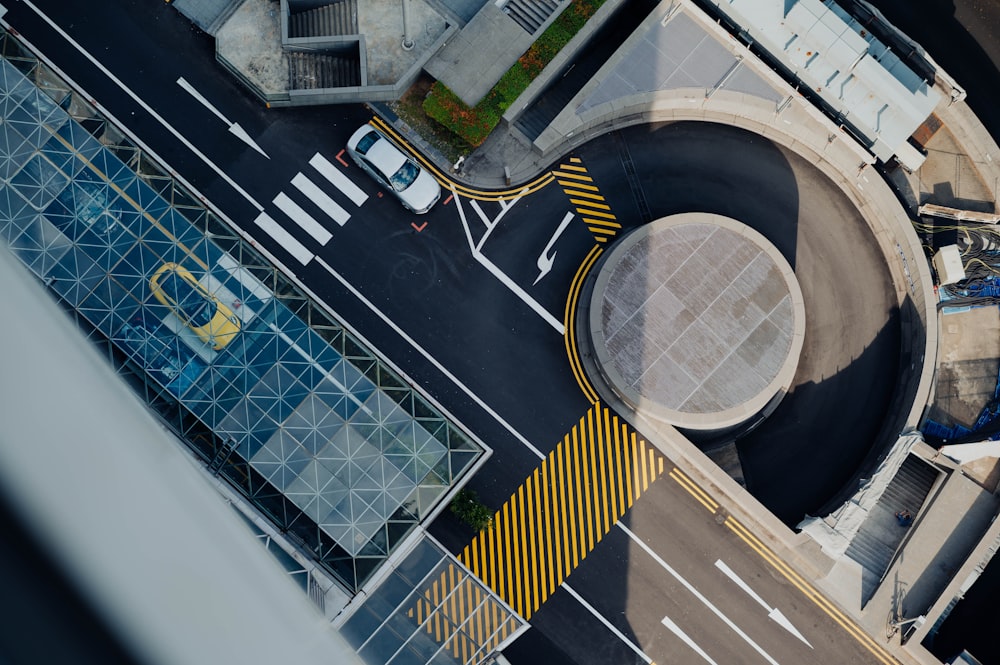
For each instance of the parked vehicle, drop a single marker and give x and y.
(174, 286)
(393, 169)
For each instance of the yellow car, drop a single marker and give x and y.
(175, 286)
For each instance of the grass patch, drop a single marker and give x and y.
(410, 107)
(473, 124)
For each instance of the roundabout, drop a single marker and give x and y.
(698, 321)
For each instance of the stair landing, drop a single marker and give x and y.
(475, 59)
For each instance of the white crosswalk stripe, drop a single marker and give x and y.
(284, 238)
(303, 219)
(338, 179)
(306, 221)
(321, 199)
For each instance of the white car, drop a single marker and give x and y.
(413, 186)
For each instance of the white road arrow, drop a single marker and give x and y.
(545, 261)
(233, 127)
(773, 613)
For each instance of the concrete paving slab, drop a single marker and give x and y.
(474, 60)
(381, 22)
(969, 360)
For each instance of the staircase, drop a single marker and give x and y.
(878, 538)
(530, 14)
(310, 71)
(537, 117)
(338, 18)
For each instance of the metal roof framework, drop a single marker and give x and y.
(863, 82)
(311, 427)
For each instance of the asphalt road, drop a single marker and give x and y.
(494, 335)
(805, 453)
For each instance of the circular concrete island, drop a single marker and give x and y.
(698, 321)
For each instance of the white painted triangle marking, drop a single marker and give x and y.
(241, 133)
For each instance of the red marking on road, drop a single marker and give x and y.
(419, 228)
(341, 159)
(447, 200)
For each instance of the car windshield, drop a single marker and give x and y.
(405, 176)
(192, 305)
(366, 142)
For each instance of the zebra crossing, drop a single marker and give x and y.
(310, 188)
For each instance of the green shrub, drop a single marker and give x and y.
(474, 124)
(467, 507)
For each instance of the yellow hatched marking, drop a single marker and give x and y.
(587, 195)
(590, 204)
(583, 476)
(509, 569)
(575, 160)
(586, 198)
(536, 558)
(523, 580)
(607, 481)
(598, 229)
(559, 514)
(596, 213)
(578, 185)
(553, 562)
(602, 222)
(575, 176)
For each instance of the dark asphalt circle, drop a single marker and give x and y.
(801, 460)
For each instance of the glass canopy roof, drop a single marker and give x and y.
(309, 425)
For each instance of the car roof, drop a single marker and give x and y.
(386, 157)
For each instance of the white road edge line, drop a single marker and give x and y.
(607, 624)
(140, 102)
(319, 261)
(697, 594)
(676, 630)
(488, 409)
(431, 359)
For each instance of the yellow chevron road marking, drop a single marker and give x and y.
(563, 510)
(586, 198)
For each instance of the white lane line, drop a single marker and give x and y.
(431, 359)
(697, 594)
(234, 128)
(773, 613)
(306, 221)
(500, 275)
(607, 624)
(319, 197)
(676, 630)
(285, 239)
(137, 100)
(485, 407)
(338, 179)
